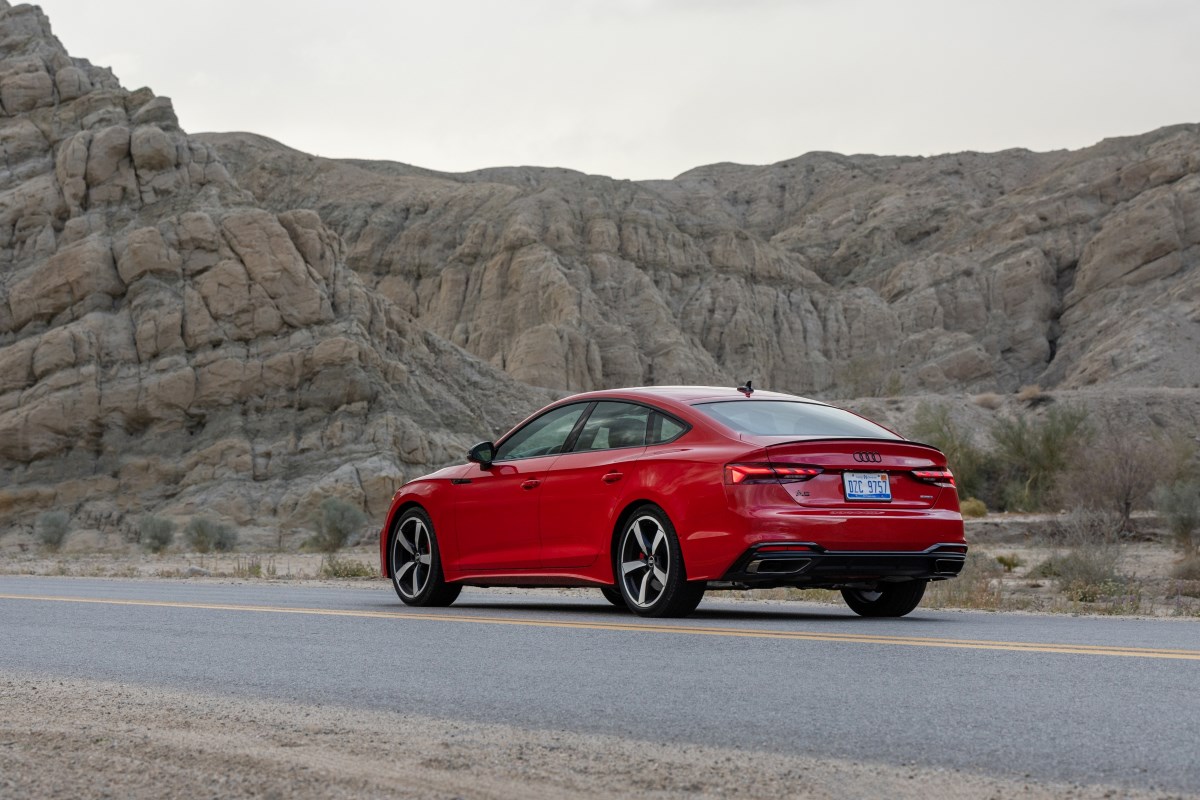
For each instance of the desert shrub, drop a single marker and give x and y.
(973, 507)
(1188, 569)
(1121, 471)
(51, 529)
(1032, 393)
(336, 522)
(1031, 455)
(934, 426)
(977, 586)
(1009, 561)
(1086, 527)
(1179, 505)
(988, 400)
(204, 535)
(155, 533)
(334, 567)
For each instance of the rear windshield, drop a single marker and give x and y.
(791, 418)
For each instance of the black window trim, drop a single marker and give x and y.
(573, 436)
(567, 443)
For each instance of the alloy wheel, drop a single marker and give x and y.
(645, 562)
(412, 557)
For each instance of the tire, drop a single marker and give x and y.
(416, 563)
(888, 599)
(613, 595)
(649, 589)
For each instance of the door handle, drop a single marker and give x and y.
(611, 477)
(532, 483)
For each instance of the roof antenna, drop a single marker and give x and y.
(747, 389)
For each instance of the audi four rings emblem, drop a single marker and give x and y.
(868, 456)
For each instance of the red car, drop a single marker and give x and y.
(655, 494)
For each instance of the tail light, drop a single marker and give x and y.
(939, 476)
(768, 473)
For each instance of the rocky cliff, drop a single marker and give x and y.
(167, 344)
(825, 274)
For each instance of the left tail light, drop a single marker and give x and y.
(738, 474)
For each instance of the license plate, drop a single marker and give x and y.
(867, 486)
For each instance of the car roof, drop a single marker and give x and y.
(687, 395)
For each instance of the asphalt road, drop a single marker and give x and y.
(1090, 700)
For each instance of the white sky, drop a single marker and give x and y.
(650, 88)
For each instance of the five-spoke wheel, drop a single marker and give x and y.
(649, 567)
(415, 563)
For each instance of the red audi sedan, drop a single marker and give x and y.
(655, 494)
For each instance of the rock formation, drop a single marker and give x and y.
(168, 345)
(824, 274)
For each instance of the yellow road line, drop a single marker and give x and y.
(648, 627)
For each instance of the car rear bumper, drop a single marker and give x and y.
(811, 565)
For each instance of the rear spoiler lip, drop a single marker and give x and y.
(807, 440)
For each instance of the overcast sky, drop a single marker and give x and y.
(650, 88)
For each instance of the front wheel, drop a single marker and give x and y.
(886, 599)
(417, 564)
(649, 567)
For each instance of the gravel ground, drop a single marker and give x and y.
(61, 738)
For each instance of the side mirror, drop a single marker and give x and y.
(482, 454)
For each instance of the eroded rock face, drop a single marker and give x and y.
(824, 274)
(167, 345)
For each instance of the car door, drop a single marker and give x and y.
(496, 509)
(585, 487)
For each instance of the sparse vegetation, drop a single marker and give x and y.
(1031, 393)
(51, 529)
(1009, 561)
(1031, 455)
(334, 567)
(977, 586)
(1121, 472)
(155, 533)
(1188, 569)
(336, 522)
(973, 507)
(1179, 505)
(988, 400)
(934, 426)
(205, 535)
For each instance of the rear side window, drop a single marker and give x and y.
(791, 418)
(664, 429)
(612, 425)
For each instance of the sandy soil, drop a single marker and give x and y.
(66, 738)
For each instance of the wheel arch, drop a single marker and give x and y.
(623, 518)
(389, 531)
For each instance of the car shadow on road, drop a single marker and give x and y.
(714, 613)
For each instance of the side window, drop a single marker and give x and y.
(664, 428)
(543, 436)
(613, 425)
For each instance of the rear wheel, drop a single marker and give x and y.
(417, 564)
(886, 600)
(649, 567)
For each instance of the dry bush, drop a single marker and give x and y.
(336, 522)
(205, 535)
(973, 507)
(334, 567)
(1120, 473)
(1188, 569)
(989, 400)
(1031, 454)
(977, 586)
(155, 533)
(1031, 393)
(934, 426)
(52, 528)
(1179, 505)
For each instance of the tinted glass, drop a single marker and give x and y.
(543, 436)
(613, 425)
(664, 428)
(788, 418)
